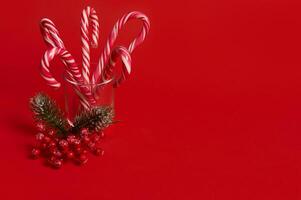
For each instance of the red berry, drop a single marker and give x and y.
(51, 145)
(70, 155)
(57, 164)
(82, 159)
(76, 142)
(51, 159)
(47, 139)
(56, 153)
(95, 138)
(56, 139)
(98, 152)
(85, 139)
(35, 153)
(71, 138)
(84, 132)
(63, 144)
(40, 137)
(78, 150)
(43, 145)
(102, 134)
(92, 146)
(51, 133)
(84, 151)
(50, 151)
(41, 127)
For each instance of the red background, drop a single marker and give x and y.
(211, 111)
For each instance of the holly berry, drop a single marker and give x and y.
(56, 140)
(40, 137)
(84, 132)
(47, 139)
(85, 139)
(56, 153)
(76, 142)
(63, 144)
(98, 152)
(57, 164)
(35, 153)
(43, 145)
(41, 127)
(71, 138)
(95, 138)
(70, 155)
(51, 145)
(84, 151)
(51, 133)
(51, 159)
(92, 146)
(82, 159)
(78, 150)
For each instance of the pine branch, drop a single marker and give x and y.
(46, 110)
(95, 119)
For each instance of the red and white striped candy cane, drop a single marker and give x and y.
(125, 56)
(88, 16)
(72, 71)
(113, 36)
(50, 34)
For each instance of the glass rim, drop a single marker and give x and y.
(105, 82)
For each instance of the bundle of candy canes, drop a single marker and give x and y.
(83, 77)
(107, 61)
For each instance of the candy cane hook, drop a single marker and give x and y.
(50, 34)
(103, 61)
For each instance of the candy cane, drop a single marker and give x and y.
(50, 34)
(72, 71)
(112, 38)
(126, 59)
(88, 15)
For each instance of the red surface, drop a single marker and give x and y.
(211, 111)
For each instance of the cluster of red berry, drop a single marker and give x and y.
(73, 147)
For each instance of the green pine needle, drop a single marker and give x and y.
(46, 110)
(96, 119)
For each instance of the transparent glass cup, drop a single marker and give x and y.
(103, 93)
